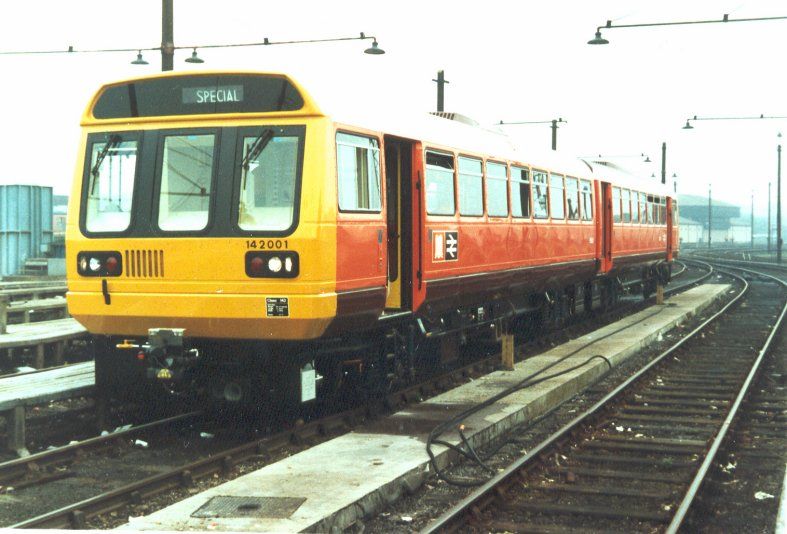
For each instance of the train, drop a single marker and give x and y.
(230, 238)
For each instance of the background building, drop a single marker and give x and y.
(25, 225)
(726, 225)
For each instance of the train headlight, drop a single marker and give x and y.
(269, 264)
(275, 264)
(99, 263)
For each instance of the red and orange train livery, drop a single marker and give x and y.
(226, 234)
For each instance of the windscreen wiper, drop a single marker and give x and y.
(256, 147)
(112, 142)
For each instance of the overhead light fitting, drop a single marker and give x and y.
(194, 58)
(374, 50)
(598, 40)
(688, 126)
(139, 60)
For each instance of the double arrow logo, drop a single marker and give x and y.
(451, 245)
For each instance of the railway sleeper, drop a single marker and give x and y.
(675, 478)
(542, 507)
(614, 491)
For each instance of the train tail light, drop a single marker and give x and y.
(270, 264)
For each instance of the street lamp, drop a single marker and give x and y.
(554, 126)
(599, 40)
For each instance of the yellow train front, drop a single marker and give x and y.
(196, 213)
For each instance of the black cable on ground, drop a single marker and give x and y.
(526, 382)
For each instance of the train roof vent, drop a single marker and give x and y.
(458, 117)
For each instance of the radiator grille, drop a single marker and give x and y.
(144, 263)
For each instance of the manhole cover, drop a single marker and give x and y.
(229, 506)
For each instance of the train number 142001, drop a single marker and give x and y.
(268, 244)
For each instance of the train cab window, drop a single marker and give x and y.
(186, 178)
(440, 184)
(616, 205)
(572, 198)
(358, 171)
(471, 187)
(496, 190)
(556, 197)
(540, 197)
(520, 192)
(110, 186)
(643, 208)
(268, 182)
(634, 207)
(674, 211)
(587, 200)
(626, 201)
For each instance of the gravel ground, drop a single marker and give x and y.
(414, 512)
(126, 463)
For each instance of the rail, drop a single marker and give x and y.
(472, 505)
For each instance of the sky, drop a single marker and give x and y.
(505, 60)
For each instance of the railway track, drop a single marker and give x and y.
(635, 460)
(79, 514)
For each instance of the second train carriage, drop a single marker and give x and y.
(297, 251)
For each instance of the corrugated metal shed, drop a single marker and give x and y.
(25, 225)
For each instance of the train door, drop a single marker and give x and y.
(398, 191)
(606, 226)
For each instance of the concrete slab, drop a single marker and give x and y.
(356, 474)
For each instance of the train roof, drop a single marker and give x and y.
(363, 109)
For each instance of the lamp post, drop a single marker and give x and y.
(710, 213)
(554, 126)
(779, 203)
(441, 81)
(751, 224)
(599, 40)
(769, 217)
(167, 37)
(664, 163)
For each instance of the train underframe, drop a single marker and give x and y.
(284, 378)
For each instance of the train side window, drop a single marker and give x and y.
(663, 210)
(653, 216)
(634, 207)
(540, 197)
(520, 192)
(675, 211)
(471, 187)
(496, 190)
(587, 200)
(186, 176)
(110, 186)
(572, 198)
(616, 204)
(626, 198)
(440, 184)
(358, 169)
(556, 197)
(643, 208)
